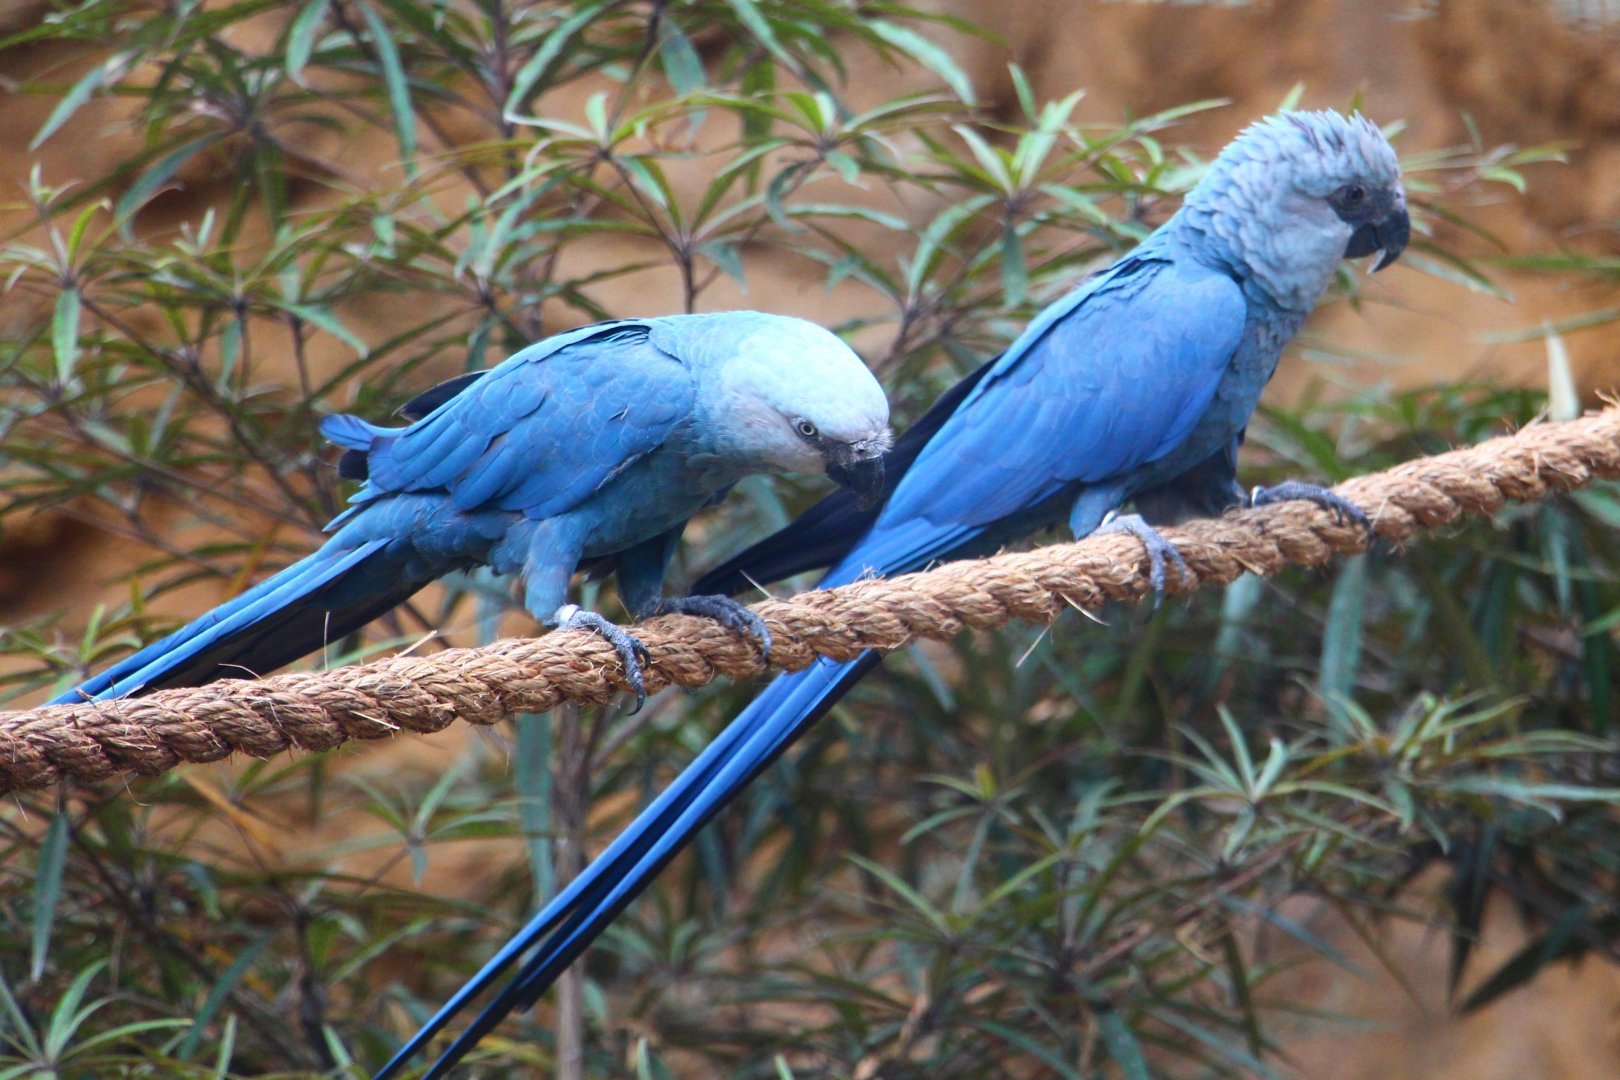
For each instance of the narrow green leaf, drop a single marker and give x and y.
(219, 991)
(727, 258)
(1235, 1054)
(757, 24)
(1237, 974)
(396, 84)
(927, 53)
(1447, 267)
(1341, 636)
(319, 316)
(529, 75)
(67, 1016)
(21, 1033)
(227, 1049)
(1033, 1047)
(77, 95)
(533, 775)
(1571, 934)
(1530, 792)
(159, 173)
(301, 38)
(1014, 271)
(902, 889)
(48, 888)
(80, 225)
(65, 334)
(682, 65)
(1121, 1042)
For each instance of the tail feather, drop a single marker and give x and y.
(575, 917)
(316, 600)
(578, 914)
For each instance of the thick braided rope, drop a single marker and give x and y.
(322, 710)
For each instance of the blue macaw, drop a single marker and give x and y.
(1136, 386)
(591, 448)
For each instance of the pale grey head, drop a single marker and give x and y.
(1297, 192)
(787, 395)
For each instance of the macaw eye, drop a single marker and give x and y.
(1352, 195)
(805, 428)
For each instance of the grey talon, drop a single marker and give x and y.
(1289, 490)
(1159, 551)
(722, 609)
(632, 653)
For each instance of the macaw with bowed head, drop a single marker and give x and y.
(591, 448)
(1134, 388)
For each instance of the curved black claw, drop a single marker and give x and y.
(632, 653)
(1343, 508)
(1159, 551)
(723, 610)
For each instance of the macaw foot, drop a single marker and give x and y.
(632, 653)
(723, 610)
(1159, 550)
(1321, 496)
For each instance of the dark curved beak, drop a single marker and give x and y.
(861, 475)
(1386, 238)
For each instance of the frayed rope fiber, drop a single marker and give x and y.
(321, 710)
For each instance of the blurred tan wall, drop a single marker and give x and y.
(1526, 72)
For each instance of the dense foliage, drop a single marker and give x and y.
(1043, 852)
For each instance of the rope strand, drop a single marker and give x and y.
(322, 710)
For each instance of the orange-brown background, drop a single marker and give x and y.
(1526, 72)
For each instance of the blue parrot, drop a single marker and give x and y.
(1135, 387)
(590, 449)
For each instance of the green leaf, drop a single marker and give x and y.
(48, 888)
(301, 38)
(532, 766)
(1121, 1042)
(66, 1016)
(22, 1033)
(1341, 636)
(81, 225)
(757, 24)
(77, 95)
(681, 62)
(159, 173)
(1014, 272)
(1573, 933)
(529, 75)
(925, 52)
(319, 316)
(220, 991)
(396, 84)
(65, 334)
(728, 259)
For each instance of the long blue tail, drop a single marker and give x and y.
(578, 914)
(317, 600)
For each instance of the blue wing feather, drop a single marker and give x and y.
(538, 433)
(1049, 416)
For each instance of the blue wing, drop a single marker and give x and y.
(538, 433)
(1105, 382)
